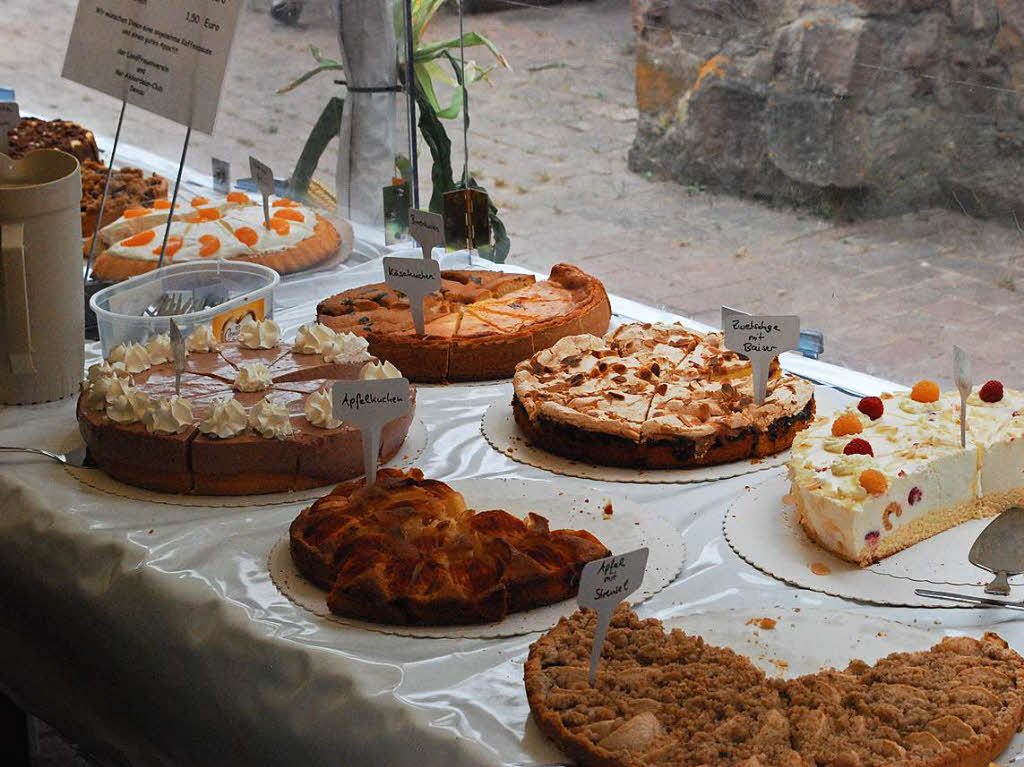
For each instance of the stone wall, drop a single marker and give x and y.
(852, 108)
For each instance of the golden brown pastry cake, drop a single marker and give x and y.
(672, 699)
(408, 551)
(478, 326)
(130, 190)
(32, 133)
(654, 396)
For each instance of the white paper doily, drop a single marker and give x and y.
(763, 530)
(630, 526)
(501, 432)
(414, 445)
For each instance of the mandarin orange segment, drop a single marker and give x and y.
(925, 391)
(280, 226)
(135, 212)
(198, 202)
(874, 481)
(210, 245)
(208, 214)
(290, 215)
(173, 246)
(284, 202)
(142, 238)
(848, 423)
(247, 235)
(162, 204)
(241, 197)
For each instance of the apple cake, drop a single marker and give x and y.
(478, 326)
(672, 699)
(253, 416)
(31, 134)
(874, 479)
(655, 396)
(130, 189)
(407, 550)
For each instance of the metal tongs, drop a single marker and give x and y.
(1000, 550)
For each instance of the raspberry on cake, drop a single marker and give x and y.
(910, 479)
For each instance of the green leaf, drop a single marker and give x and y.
(423, 12)
(470, 39)
(311, 73)
(426, 85)
(321, 59)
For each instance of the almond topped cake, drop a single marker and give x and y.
(657, 396)
(408, 550)
(877, 478)
(478, 326)
(672, 699)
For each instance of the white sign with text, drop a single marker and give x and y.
(427, 229)
(263, 176)
(370, 406)
(417, 278)
(9, 118)
(761, 338)
(603, 584)
(221, 175)
(167, 58)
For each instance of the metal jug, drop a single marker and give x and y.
(42, 333)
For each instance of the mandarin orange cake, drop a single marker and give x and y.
(295, 238)
(672, 699)
(877, 478)
(656, 396)
(253, 416)
(478, 326)
(408, 550)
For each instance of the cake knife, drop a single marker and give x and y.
(178, 353)
(962, 376)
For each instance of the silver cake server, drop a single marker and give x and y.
(962, 376)
(178, 355)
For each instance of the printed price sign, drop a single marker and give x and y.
(603, 584)
(9, 117)
(369, 406)
(221, 175)
(263, 176)
(168, 58)
(427, 229)
(761, 338)
(417, 278)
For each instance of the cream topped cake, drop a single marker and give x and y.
(874, 479)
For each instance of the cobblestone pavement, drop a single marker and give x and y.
(549, 140)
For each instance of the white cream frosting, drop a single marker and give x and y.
(312, 338)
(259, 334)
(201, 339)
(270, 419)
(253, 376)
(125, 403)
(320, 410)
(158, 348)
(374, 371)
(133, 356)
(348, 347)
(168, 414)
(97, 383)
(226, 419)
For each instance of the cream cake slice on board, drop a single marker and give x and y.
(875, 479)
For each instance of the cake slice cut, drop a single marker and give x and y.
(873, 480)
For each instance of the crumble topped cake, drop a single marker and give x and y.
(875, 479)
(296, 237)
(253, 416)
(130, 188)
(672, 699)
(31, 134)
(407, 550)
(478, 326)
(656, 396)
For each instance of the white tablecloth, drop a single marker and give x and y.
(153, 633)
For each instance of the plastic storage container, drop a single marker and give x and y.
(247, 288)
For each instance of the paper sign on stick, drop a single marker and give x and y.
(603, 584)
(427, 229)
(417, 278)
(263, 177)
(221, 175)
(369, 406)
(761, 338)
(9, 118)
(168, 58)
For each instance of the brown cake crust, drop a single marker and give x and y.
(478, 326)
(407, 551)
(129, 188)
(671, 699)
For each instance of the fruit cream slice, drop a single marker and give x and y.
(873, 480)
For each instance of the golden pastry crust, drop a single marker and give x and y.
(478, 327)
(408, 551)
(320, 246)
(672, 699)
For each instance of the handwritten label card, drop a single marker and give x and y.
(168, 58)
(762, 338)
(263, 176)
(221, 175)
(427, 229)
(417, 278)
(9, 118)
(370, 406)
(603, 584)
